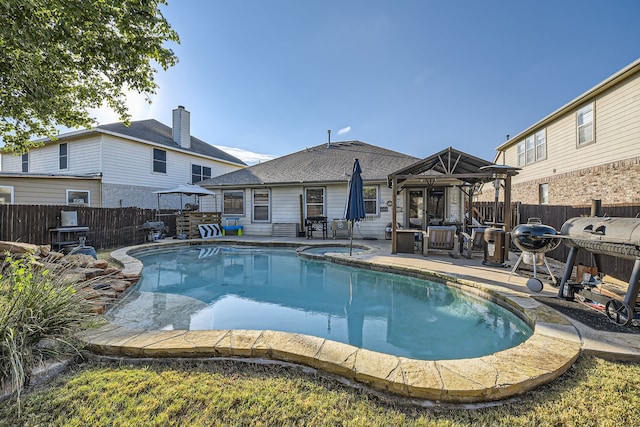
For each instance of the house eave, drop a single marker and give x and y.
(600, 88)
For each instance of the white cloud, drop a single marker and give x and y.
(249, 157)
(344, 130)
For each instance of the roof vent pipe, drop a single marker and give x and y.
(329, 138)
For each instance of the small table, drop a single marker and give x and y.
(233, 225)
(407, 240)
(66, 236)
(311, 221)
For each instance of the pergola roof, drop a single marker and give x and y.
(449, 164)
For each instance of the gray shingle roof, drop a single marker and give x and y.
(154, 131)
(321, 163)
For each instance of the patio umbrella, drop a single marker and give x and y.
(186, 189)
(355, 210)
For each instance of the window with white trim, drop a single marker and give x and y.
(63, 156)
(314, 201)
(371, 199)
(585, 124)
(200, 173)
(233, 202)
(533, 148)
(543, 194)
(261, 205)
(78, 198)
(6, 195)
(159, 160)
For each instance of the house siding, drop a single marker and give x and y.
(285, 208)
(50, 191)
(130, 162)
(606, 169)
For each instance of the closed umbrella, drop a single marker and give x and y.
(355, 199)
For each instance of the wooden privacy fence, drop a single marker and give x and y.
(108, 227)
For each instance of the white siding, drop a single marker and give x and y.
(617, 136)
(127, 162)
(285, 208)
(84, 158)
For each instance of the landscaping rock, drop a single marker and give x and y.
(104, 284)
(19, 248)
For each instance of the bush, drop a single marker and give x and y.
(39, 314)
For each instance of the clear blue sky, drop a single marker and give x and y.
(271, 76)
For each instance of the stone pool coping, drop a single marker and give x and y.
(547, 354)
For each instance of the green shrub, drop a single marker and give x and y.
(39, 314)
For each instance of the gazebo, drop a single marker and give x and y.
(430, 180)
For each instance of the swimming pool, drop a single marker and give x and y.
(258, 288)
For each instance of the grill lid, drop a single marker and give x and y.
(613, 230)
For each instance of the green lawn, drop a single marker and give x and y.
(594, 392)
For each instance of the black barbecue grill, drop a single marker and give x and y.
(617, 237)
(534, 239)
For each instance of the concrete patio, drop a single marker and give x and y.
(556, 343)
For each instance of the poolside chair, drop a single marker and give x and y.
(473, 244)
(441, 238)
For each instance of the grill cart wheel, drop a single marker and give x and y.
(534, 284)
(619, 312)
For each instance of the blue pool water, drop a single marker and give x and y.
(209, 287)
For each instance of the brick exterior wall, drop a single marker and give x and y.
(613, 183)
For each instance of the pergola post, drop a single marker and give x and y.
(394, 215)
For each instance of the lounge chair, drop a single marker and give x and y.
(473, 244)
(441, 238)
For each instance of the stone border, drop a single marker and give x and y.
(547, 354)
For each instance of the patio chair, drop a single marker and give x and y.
(473, 244)
(441, 238)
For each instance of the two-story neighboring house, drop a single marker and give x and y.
(124, 165)
(587, 149)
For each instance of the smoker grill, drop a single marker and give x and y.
(534, 239)
(618, 237)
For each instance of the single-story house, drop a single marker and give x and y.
(276, 197)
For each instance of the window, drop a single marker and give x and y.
(261, 206)
(521, 155)
(25, 162)
(541, 146)
(543, 192)
(233, 202)
(78, 198)
(371, 199)
(532, 149)
(585, 124)
(6, 195)
(159, 161)
(314, 201)
(63, 156)
(199, 173)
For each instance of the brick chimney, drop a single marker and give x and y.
(181, 127)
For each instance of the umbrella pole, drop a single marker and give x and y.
(351, 240)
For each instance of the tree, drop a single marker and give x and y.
(60, 58)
